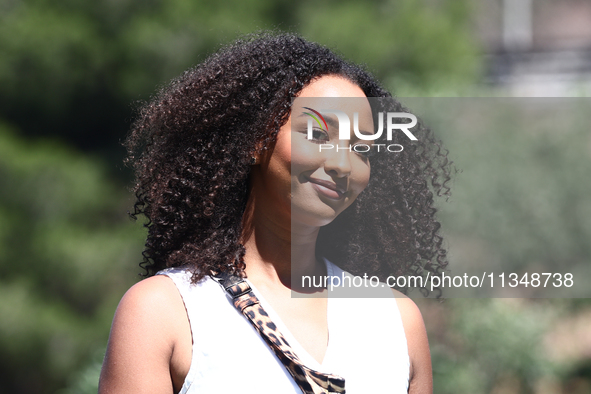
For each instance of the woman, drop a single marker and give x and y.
(228, 186)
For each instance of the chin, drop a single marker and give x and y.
(315, 217)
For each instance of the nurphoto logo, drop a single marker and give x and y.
(344, 126)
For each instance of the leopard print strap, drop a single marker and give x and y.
(309, 380)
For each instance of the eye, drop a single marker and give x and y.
(319, 136)
(362, 150)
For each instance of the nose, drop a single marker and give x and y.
(338, 161)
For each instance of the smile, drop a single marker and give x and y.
(327, 188)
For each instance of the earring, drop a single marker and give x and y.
(253, 161)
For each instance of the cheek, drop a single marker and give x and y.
(280, 160)
(282, 149)
(360, 177)
(304, 155)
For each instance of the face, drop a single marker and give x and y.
(307, 178)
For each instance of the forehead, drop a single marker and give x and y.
(331, 86)
(331, 91)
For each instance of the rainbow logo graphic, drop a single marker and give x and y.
(316, 118)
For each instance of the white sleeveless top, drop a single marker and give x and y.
(367, 344)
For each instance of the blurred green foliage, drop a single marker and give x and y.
(67, 255)
(521, 200)
(411, 47)
(71, 69)
(68, 73)
(520, 203)
(491, 343)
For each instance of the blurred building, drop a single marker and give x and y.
(537, 47)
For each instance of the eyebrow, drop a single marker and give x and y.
(329, 120)
(335, 123)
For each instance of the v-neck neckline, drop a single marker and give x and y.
(304, 356)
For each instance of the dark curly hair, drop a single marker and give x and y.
(192, 144)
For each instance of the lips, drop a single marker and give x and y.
(327, 188)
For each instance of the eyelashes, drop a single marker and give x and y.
(320, 136)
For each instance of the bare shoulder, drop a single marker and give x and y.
(154, 295)
(421, 375)
(149, 307)
(143, 336)
(408, 309)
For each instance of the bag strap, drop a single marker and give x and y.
(309, 380)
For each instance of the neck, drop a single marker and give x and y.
(278, 251)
